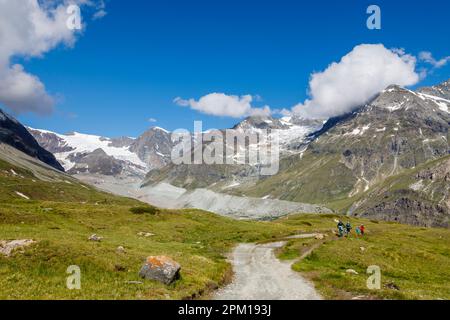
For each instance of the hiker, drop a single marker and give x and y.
(348, 228)
(341, 231)
(358, 231)
(362, 229)
(340, 227)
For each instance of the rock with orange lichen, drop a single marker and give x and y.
(160, 268)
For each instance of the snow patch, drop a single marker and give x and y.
(417, 186)
(160, 129)
(442, 103)
(395, 106)
(232, 185)
(86, 143)
(359, 131)
(22, 195)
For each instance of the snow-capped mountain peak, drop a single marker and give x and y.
(75, 149)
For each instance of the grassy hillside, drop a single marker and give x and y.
(62, 213)
(61, 216)
(418, 196)
(312, 179)
(415, 259)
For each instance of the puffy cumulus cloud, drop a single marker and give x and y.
(30, 28)
(359, 76)
(427, 57)
(23, 92)
(220, 104)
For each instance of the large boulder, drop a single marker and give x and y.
(160, 268)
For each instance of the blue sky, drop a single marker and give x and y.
(129, 66)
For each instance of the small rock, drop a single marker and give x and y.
(160, 268)
(392, 286)
(359, 298)
(7, 247)
(146, 234)
(319, 236)
(362, 249)
(351, 271)
(120, 249)
(119, 268)
(96, 238)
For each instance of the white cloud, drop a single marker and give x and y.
(220, 104)
(101, 12)
(152, 120)
(30, 28)
(23, 92)
(427, 57)
(262, 112)
(351, 82)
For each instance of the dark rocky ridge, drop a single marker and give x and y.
(17, 136)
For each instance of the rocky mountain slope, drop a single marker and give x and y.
(398, 130)
(153, 147)
(441, 91)
(294, 135)
(349, 156)
(16, 135)
(418, 196)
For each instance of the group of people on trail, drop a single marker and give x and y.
(345, 230)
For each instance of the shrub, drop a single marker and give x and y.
(144, 209)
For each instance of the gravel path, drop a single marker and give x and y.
(259, 275)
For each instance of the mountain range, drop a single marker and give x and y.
(388, 159)
(355, 163)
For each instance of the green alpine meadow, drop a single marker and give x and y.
(224, 159)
